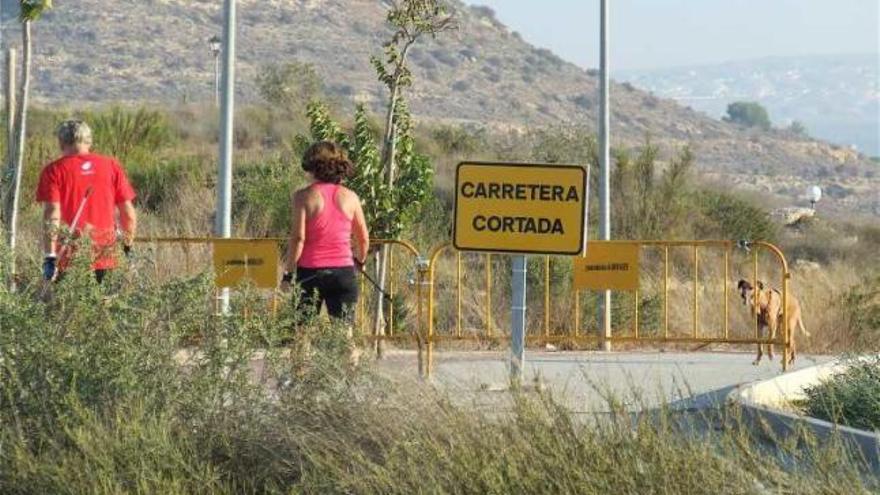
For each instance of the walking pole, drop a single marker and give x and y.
(65, 245)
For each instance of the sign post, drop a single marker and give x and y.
(518, 321)
(223, 215)
(521, 209)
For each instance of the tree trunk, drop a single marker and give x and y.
(389, 152)
(21, 133)
(9, 170)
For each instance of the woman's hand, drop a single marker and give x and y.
(286, 282)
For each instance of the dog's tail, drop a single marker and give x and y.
(802, 328)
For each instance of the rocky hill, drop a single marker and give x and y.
(93, 51)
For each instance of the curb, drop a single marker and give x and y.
(761, 404)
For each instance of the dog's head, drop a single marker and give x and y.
(745, 291)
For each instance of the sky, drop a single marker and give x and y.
(667, 33)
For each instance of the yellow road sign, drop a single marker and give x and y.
(237, 260)
(608, 265)
(520, 208)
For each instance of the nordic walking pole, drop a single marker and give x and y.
(65, 244)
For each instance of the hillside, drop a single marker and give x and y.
(835, 96)
(95, 51)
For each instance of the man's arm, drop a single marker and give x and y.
(128, 222)
(51, 225)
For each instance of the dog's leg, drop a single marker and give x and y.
(774, 327)
(794, 320)
(760, 350)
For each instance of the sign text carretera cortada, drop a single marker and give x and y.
(520, 208)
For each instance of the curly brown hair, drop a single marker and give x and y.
(327, 162)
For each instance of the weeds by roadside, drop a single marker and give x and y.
(851, 398)
(100, 393)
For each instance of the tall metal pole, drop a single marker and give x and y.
(605, 157)
(10, 108)
(518, 321)
(217, 79)
(224, 183)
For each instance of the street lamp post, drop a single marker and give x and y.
(815, 195)
(605, 162)
(227, 112)
(215, 44)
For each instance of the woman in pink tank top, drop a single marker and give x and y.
(326, 216)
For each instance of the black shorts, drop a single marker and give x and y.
(336, 287)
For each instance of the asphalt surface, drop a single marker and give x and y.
(586, 382)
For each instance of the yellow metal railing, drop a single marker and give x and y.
(574, 333)
(363, 311)
(420, 272)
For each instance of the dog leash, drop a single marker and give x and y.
(373, 282)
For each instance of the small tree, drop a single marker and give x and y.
(411, 20)
(31, 10)
(389, 211)
(749, 114)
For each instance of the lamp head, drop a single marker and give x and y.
(215, 43)
(815, 194)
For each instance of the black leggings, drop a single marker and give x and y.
(337, 287)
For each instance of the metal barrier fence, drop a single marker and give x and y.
(710, 263)
(661, 311)
(175, 256)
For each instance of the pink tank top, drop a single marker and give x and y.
(328, 234)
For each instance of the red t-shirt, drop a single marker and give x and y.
(66, 180)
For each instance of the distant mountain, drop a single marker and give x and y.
(837, 97)
(98, 51)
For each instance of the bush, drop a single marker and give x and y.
(749, 114)
(290, 86)
(158, 182)
(861, 311)
(99, 395)
(130, 135)
(730, 217)
(851, 398)
(262, 196)
(459, 140)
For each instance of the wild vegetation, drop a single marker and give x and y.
(137, 386)
(100, 393)
(850, 398)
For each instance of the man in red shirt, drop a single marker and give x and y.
(84, 190)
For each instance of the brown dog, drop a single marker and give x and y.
(769, 311)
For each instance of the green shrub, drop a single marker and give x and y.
(262, 196)
(158, 182)
(851, 398)
(749, 114)
(861, 311)
(729, 217)
(459, 140)
(99, 393)
(130, 135)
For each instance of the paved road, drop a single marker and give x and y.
(580, 380)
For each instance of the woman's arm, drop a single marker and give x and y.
(297, 231)
(361, 232)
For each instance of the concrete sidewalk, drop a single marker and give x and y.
(583, 380)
